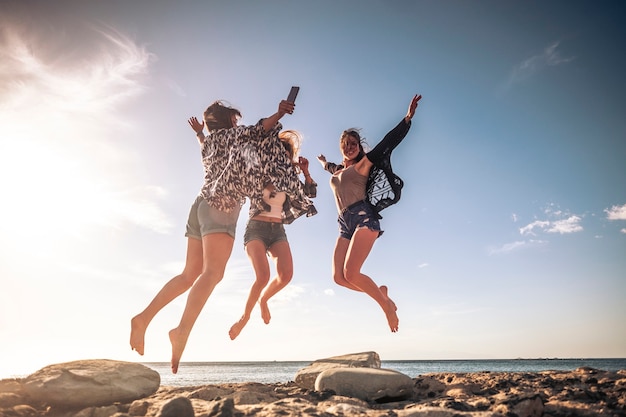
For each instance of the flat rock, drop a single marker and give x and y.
(87, 383)
(368, 384)
(306, 376)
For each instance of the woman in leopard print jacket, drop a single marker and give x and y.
(236, 160)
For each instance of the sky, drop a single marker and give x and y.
(509, 240)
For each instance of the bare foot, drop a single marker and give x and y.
(137, 333)
(178, 342)
(392, 317)
(265, 311)
(384, 290)
(237, 328)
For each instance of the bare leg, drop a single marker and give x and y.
(341, 249)
(216, 249)
(359, 248)
(339, 260)
(385, 290)
(258, 257)
(172, 289)
(281, 252)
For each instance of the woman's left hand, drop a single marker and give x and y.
(303, 163)
(411, 112)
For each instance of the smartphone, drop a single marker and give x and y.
(293, 94)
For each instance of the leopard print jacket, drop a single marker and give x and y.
(240, 161)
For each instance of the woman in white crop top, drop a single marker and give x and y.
(213, 216)
(265, 236)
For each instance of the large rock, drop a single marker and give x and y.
(178, 407)
(366, 383)
(87, 383)
(306, 377)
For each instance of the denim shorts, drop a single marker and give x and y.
(267, 232)
(204, 219)
(357, 215)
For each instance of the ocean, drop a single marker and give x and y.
(202, 373)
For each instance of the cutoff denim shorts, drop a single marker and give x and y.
(357, 215)
(267, 232)
(204, 219)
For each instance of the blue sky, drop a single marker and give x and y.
(510, 237)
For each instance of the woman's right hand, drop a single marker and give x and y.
(196, 125)
(285, 107)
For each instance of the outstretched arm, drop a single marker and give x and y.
(412, 106)
(283, 108)
(395, 136)
(328, 166)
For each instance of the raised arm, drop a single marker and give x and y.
(198, 128)
(395, 136)
(412, 106)
(283, 108)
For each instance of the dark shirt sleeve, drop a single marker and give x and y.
(332, 167)
(389, 142)
(310, 189)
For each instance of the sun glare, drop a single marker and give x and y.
(59, 171)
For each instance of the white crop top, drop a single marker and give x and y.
(275, 200)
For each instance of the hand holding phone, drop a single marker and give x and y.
(293, 94)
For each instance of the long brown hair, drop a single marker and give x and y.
(353, 132)
(219, 116)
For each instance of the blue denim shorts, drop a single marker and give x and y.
(267, 232)
(204, 219)
(357, 215)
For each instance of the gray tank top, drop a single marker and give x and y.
(348, 186)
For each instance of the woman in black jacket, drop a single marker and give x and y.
(359, 196)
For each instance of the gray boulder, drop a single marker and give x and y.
(306, 377)
(87, 383)
(178, 407)
(380, 385)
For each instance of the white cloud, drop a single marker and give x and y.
(60, 126)
(515, 246)
(558, 221)
(423, 265)
(616, 213)
(569, 225)
(173, 86)
(288, 294)
(529, 228)
(330, 292)
(508, 247)
(549, 57)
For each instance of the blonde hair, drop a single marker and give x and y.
(292, 140)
